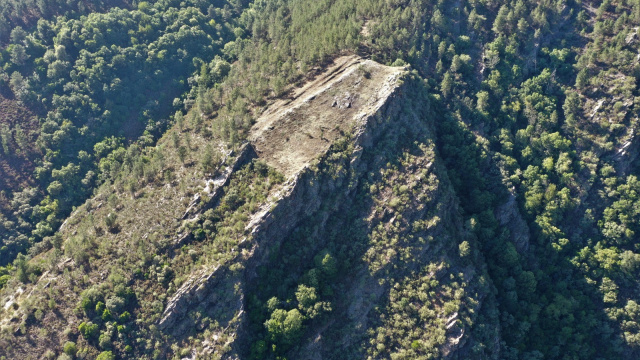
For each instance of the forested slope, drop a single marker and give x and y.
(96, 83)
(521, 114)
(26, 13)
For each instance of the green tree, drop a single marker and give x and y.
(208, 161)
(582, 79)
(18, 55)
(500, 23)
(18, 35)
(464, 249)
(22, 268)
(17, 82)
(308, 302)
(182, 153)
(483, 101)
(326, 263)
(285, 327)
(5, 138)
(447, 84)
(88, 330)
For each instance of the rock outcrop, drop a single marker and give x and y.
(289, 136)
(509, 216)
(324, 141)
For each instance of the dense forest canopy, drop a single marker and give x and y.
(533, 104)
(97, 82)
(25, 14)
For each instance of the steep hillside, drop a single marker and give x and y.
(26, 13)
(91, 86)
(407, 179)
(340, 179)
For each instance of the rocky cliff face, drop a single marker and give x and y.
(290, 136)
(358, 155)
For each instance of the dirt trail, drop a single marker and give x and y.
(292, 132)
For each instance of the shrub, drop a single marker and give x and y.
(106, 315)
(115, 303)
(208, 161)
(285, 327)
(88, 330)
(22, 268)
(70, 348)
(111, 221)
(326, 263)
(364, 72)
(199, 234)
(3, 280)
(106, 355)
(182, 153)
(105, 340)
(125, 316)
(100, 307)
(90, 298)
(38, 314)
